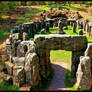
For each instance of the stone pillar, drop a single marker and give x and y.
(74, 27)
(84, 24)
(60, 27)
(83, 74)
(47, 27)
(44, 60)
(25, 36)
(75, 61)
(88, 53)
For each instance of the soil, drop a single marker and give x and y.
(60, 70)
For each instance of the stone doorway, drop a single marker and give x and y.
(45, 43)
(60, 61)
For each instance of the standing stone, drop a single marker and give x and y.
(75, 61)
(25, 36)
(80, 32)
(85, 24)
(44, 60)
(47, 27)
(32, 69)
(74, 27)
(42, 24)
(14, 47)
(43, 31)
(83, 74)
(18, 76)
(88, 53)
(60, 27)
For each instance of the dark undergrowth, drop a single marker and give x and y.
(46, 82)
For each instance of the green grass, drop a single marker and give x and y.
(63, 56)
(70, 32)
(4, 86)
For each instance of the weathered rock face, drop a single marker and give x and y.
(44, 61)
(32, 69)
(9, 67)
(24, 47)
(25, 36)
(63, 42)
(88, 51)
(19, 61)
(83, 74)
(18, 76)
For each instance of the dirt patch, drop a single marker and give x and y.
(57, 83)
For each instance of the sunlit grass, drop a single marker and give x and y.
(4, 86)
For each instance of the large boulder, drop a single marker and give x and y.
(83, 74)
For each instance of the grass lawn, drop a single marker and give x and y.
(4, 86)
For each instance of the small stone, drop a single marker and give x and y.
(80, 32)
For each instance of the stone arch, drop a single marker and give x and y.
(45, 43)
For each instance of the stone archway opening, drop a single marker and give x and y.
(46, 43)
(61, 64)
